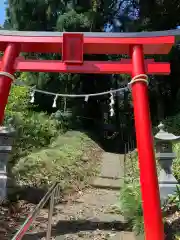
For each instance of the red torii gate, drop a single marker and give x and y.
(72, 47)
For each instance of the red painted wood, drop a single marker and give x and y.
(72, 48)
(153, 222)
(7, 63)
(100, 67)
(92, 45)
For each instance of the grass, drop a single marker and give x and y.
(176, 162)
(130, 196)
(71, 159)
(130, 201)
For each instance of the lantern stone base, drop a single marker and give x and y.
(166, 189)
(6, 141)
(3, 185)
(167, 184)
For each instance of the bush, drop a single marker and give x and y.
(33, 130)
(174, 199)
(130, 206)
(176, 162)
(61, 161)
(130, 194)
(17, 102)
(130, 203)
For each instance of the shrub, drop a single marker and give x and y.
(61, 161)
(176, 162)
(130, 203)
(33, 130)
(17, 102)
(131, 206)
(174, 199)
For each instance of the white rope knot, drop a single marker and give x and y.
(139, 78)
(9, 75)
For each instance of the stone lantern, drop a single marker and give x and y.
(6, 141)
(165, 155)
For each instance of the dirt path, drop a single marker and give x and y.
(92, 214)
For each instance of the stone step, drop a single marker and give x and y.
(123, 236)
(113, 236)
(112, 166)
(107, 183)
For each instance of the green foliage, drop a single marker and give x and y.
(34, 15)
(174, 199)
(130, 195)
(60, 161)
(131, 206)
(33, 130)
(73, 22)
(17, 101)
(176, 162)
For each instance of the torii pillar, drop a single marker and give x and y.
(153, 223)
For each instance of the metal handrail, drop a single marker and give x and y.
(26, 225)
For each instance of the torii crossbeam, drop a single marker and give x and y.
(72, 47)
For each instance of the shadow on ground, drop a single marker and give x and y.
(70, 227)
(29, 194)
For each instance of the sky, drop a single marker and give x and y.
(2, 11)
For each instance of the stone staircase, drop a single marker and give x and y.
(94, 211)
(111, 173)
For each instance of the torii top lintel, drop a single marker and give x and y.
(73, 46)
(159, 42)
